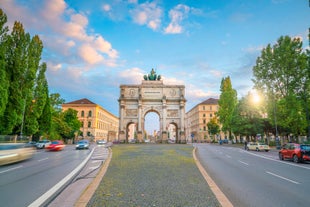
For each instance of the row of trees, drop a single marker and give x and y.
(26, 108)
(282, 78)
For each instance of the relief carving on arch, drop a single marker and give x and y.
(131, 112)
(172, 113)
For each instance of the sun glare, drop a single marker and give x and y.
(255, 97)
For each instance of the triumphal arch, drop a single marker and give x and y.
(152, 95)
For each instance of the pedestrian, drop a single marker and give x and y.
(245, 144)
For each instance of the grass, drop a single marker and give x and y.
(153, 175)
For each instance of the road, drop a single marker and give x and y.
(24, 182)
(255, 179)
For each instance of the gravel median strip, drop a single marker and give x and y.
(153, 175)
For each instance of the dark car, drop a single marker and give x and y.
(82, 144)
(295, 152)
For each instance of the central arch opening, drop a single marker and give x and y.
(151, 126)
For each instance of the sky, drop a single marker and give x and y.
(92, 47)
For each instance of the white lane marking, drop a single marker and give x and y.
(61, 183)
(243, 162)
(13, 168)
(43, 159)
(92, 168)
(280, 161)
(292, 181)
(96, 157)
(94, 161)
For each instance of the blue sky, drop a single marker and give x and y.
(92, 47)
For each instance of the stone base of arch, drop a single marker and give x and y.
(122, 136)
(140, 136)
(164, 137)
(182, 137)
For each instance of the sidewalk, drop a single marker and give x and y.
(71, 194)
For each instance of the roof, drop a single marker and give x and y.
(81, 101)
(210, 101)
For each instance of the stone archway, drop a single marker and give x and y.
(152, 95)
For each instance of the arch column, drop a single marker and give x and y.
(164, 135)
(140, 131)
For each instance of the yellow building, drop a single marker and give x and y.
(97, 123)
(197, 119)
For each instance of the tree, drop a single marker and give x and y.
(56, 101)
(247, 119)
(18, 75)
(227, 104)
(213, 126)
(43, 108)
(4, 86)
(72, 123)
(281, 73)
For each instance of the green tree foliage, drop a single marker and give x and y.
(56, 101)
(213, 126)
(4, 86)
(247, 120)
(227, 104)
(64, 123)
(42, 107)
(18, 74)
(24, 89)
(281, 72)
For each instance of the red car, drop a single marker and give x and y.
(56, 145)
(295, 152)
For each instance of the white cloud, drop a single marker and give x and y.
(64, 31)
(89, 54)
(177, 15)
(106, 7)
(147, 14)
(131, 75)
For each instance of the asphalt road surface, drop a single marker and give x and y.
(22, 183)
(255, 179)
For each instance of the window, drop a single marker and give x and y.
(82, 113)
(89, 124)
(203, 108)
(89, 114)
(204, 121)
(210, 108)
(211, 115)
(204, 128)
(204, 115)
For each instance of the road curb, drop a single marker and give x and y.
(91, 188)
(223, 200)
(48, 196)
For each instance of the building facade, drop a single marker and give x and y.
(152, 95)
(197, 119)
(97, 123)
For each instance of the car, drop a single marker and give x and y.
(295, 152)
(258, 146)
(101, 142)
(31, 144)
(42, 144)
(132, 141)
(82, 144)
(11, 153)
(56, 145)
